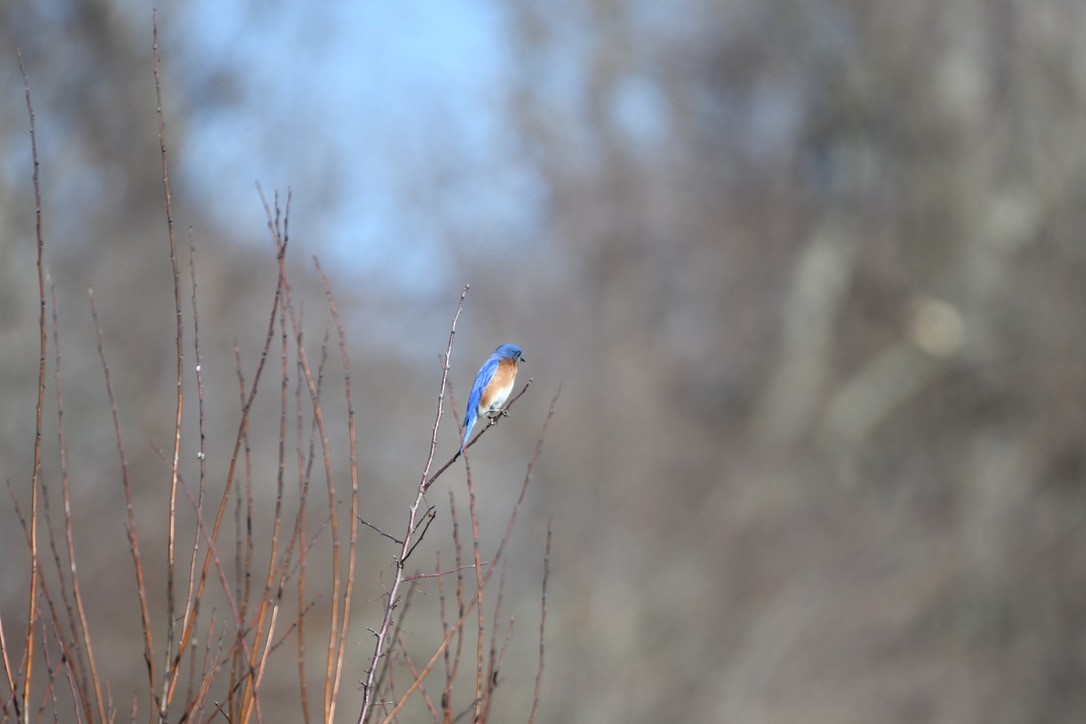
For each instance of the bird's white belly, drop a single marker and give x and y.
(491, 406)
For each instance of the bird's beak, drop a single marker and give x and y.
(523, 358)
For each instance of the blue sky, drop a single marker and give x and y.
(385, 119)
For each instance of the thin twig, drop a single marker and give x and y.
(415, 672)
(443, 617)
(169, 672)
(53, 622)
(428, 517)
(305, 468)
(13, 693)
(300, 531)
(126, 484)
(51, 676)
(439, 574)
(201, 455)
(542, 625)
(84, 628)
(387, 668)
(451, 671)
(277, 569)
(352, 437)
(494, 661)
(473, 516)
(32, 599)
(202, 529)
(391, 537)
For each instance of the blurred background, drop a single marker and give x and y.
(811, 274)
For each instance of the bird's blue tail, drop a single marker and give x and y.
(469, 422)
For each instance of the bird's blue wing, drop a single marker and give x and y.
(486, 374)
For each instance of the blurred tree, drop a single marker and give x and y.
(825, 262)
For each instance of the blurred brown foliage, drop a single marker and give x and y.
(811, 276)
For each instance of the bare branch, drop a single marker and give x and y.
(493, 564)
(169, 672)
(368, 690)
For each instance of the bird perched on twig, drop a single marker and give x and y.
(492, 386)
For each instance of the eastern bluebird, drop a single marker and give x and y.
(492, 386)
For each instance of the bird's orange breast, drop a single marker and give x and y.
(500, 386)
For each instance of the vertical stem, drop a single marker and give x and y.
(32, 603)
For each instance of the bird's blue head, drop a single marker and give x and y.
(511, 352)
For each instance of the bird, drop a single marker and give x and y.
(492, 386)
